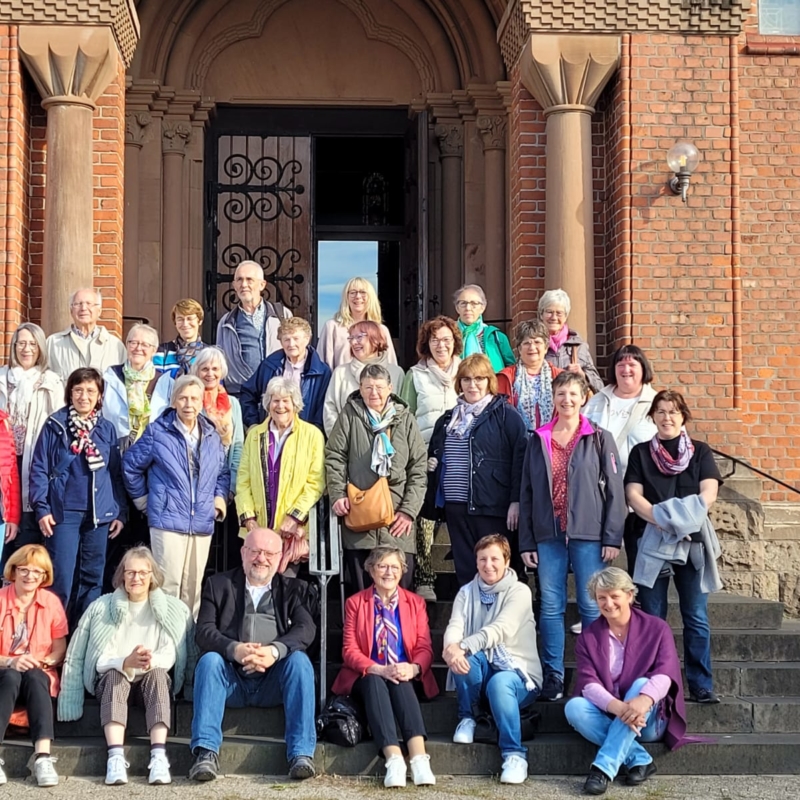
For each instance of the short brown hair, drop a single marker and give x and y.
(293, 324)
(674, 397)
(186, 308)
(476, 366)
(145, 554)
(374, 334)
(531, 329)
(492, 539)
(566, 377)
(428, 328)
(85, 375)
(36, 556)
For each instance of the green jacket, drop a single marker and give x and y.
(348, 454)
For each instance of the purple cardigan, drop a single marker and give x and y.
(650, 650)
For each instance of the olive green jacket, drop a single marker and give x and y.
(348, 454)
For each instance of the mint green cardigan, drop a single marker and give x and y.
(96, 629)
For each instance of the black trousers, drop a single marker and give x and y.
(388, 705)
(630, 538)
(30, 689)
(356, 579)
(136, 532)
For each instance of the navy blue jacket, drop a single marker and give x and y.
(497, 442)
(157, 465)
(50, 467)
(313, 385)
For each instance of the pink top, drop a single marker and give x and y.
(656, 688)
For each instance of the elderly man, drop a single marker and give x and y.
(252, 630)
(84, 343)
(249, 333)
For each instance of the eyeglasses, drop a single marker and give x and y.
(671, 414)
(265, 553)
(469, 304)
(388, 568)
(27, 346)
(357, 337)
(246, 280)
(141, 345)
(357, 293)
(550, 312)
(86, 305)
(130, 574)
(446, 342)
(475, 381)
(31, 572)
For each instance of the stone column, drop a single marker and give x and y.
(451, 151)
(71, 66)
(566, 75)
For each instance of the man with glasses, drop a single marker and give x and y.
(253, 630)
(84, 343)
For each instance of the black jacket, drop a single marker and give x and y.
(222, 611)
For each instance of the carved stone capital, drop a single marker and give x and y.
(493, 129)
(137, 127)
(175, 136)
(451, 139)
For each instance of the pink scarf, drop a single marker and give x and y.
(667, 465)
(558, 340)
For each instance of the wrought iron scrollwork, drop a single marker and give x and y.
(266, 176)
(283, 279)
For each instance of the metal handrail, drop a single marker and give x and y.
(756, 470)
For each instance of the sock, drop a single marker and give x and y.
(42, 755)
(158, 748)
(116, 750)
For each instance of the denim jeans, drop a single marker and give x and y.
(618, 743)
(78, 552)
(694, 611)
(506, 694)
(555, 556)
(288, 683)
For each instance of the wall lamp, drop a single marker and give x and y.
(683, 159)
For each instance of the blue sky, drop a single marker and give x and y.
(337, 262)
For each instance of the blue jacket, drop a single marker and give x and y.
(157, 466)
(50, 467)
(313, 385)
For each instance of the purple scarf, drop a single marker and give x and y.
(667, 465)
(386, 632)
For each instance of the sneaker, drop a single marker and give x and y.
(159, 769)
(44, 771)
(576, 628)
(427, 593)
(553, 687)
(302, 767)
(116, 770)
(597, 782)
(638, 775)
(421, 771)
(515, 770)
(205, 767)
(465, 732)
(3, 778)
(706, 696)
(395, 773)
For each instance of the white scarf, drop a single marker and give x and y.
(21, 388)
(445, 376)
(464, 415)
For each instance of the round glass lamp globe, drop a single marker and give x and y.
(683, 156)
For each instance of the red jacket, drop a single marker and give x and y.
(359, 636)
(506, 378)
(9, 474)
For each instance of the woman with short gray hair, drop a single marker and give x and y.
(470, 303)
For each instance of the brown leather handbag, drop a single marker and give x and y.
(369, 508)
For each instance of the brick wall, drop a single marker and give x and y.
(37, 135)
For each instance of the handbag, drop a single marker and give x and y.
(486, 728)
(369, 508)
(340, 722)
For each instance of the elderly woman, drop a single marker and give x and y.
(177, 356)
(368, 345)
(375, 440)
(282, 474)
(296, 360)
(490, 648)
(529, 383)
(29, 393)
(476, 455)
(566, 350)
(359, 304)
(77, 492)
(178, 474)
(33, 640)
(470, 302)
(123, 650)
(623, 409)
(629, 687)
(572, 513)
(679, 472)
(387, 658)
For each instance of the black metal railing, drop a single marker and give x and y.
(758, 471)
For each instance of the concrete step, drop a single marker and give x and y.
(740, 482)
(781, 521)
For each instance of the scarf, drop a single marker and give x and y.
(464, 415)
(445, 376)
(218, 408)
(22, 385)
(666, 464)
(79, 430)
(558, 340)
(386, 632)
(136, 383)
(534, 395)
(186, 352)
(472, 336)
(382, 450)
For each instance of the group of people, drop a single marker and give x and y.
(118, 462)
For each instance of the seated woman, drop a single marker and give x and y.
(629, 687)
(490, 647)
(32, 643)
(124, 648)
(387, 659)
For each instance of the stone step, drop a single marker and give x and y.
(740, 482)
(782, 522)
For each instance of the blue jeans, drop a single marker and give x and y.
(288, 683)
(506, 693)
(618, 743)
(78, 552)
(694, 611)
(555, 556)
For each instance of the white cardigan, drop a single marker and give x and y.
(334, 349)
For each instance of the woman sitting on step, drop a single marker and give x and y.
(124, 648)
(629, 687)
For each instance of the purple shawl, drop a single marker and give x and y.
(649, 650)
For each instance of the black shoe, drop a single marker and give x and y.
(302, 767)
(552, 688)
(638, 775)
(704, 696)
(597, 782)
(205, 767)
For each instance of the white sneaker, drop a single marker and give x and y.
(576, 628)
(159, 769)
(465, 732)
(116, 770)
(421, 771)
(3, 778)
(395, 772)
(427, 593)
(515, 770)
(44, 771)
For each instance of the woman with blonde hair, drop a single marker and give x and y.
(359, 304)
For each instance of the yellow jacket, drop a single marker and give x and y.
(302, 476)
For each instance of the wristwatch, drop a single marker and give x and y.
(463, 646)
(275, 652)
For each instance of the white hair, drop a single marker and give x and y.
(95, 292)
(554, 297)
(148, 329)
(470, 287)
(251, 264)
(283, 387)
(210, 353)
(184, 381)
(41, 342)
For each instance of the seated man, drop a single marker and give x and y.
(265, 667)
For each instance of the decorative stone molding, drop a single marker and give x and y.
(175, 136)
(493, 131)
(451, 139)
(137, 127)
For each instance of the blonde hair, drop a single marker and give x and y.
(292, 325)
(610, 579)
(373, 310)
(33, 555)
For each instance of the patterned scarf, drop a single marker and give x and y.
(79, 429)
(382, 450)
(666, 464)
(186, 353)
(464, 415)
(217, 407)
(136, 383)
(534, 393)
(558, 340)
(386, 632)
(472, 336)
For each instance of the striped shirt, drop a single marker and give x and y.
(457, 466)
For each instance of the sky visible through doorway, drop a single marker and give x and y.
(337, 262)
